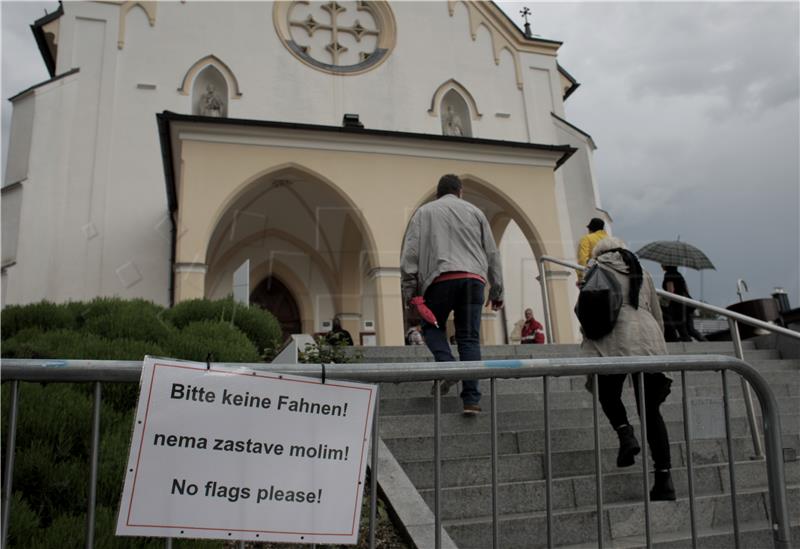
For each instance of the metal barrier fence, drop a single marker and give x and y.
(16, 370)
(733, 322)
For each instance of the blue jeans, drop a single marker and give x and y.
(464, 297)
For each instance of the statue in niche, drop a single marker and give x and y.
(452, 122)
(212, 104)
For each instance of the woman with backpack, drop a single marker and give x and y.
(637, 331)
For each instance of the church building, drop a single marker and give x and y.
(177, 141)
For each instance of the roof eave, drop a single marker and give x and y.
(41, 42)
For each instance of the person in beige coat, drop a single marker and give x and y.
(637, 332)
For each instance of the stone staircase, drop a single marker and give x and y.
(406, 429)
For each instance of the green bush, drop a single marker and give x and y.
(43, 315)
(103, 306)
(25, 524)
(136, 323)
(194, 310)
(73, 344)
(260, 326)
(224, 342)
(53, 435)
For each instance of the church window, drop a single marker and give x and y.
(338, 37)
(210, 93)
(455, 115)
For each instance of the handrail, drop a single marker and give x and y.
(744, 319)
(733, 319)
(128, 371)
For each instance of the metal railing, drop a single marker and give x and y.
(16, 370)
(733, 323)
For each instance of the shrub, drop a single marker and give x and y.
(260, 326)
(43, 315)
(193, 310)
(136, 323)
(322, 351)
(25, 523)
(224, 342)
(72, 344)
(53, 435)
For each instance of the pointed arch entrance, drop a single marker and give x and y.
(273, 295)
(506, 218)
(307, 244)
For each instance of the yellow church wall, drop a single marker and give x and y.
(384, 190)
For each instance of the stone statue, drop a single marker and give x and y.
(452, 122)
(212, 104)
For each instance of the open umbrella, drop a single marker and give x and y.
(676, 254)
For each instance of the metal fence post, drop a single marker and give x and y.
(90, 515)
(373, 477)
(598, 461)
(645, 465)
(758, 447)
(731, 461)
(495, 520)
(548, 460)
(10, 448)
(548, 322)
(687, 436)
(437, 468)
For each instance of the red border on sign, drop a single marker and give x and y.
(249, 374)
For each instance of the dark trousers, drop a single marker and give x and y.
(464, 298)
(679, 323)
(656, 389)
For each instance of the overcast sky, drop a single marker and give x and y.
(694, 107)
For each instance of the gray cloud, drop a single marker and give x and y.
(694, 107)
(22, 65)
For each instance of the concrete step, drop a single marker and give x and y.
(529, 466)
(452, 421)
(620, 520)
(752, 535)
(418, 446)
(566, 400)
(625, 485)
(787, 394)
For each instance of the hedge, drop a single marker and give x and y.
(53, 438)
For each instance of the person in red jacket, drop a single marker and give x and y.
(532, 331)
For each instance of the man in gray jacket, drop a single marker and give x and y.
(449, 254)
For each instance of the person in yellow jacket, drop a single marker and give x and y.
(596, 233)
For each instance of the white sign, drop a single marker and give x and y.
(241, 284)
(246, 455)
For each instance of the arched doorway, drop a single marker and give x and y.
(518, 238)
(271, 294)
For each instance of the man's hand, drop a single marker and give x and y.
(495, 304)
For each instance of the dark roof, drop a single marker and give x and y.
(165, 118)
(573, 126)
(575, 85)
(41, 41)
(40, 84)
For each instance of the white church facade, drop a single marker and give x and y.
(177, 140)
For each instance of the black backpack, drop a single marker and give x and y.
(599, 302)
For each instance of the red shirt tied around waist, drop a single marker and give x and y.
(457, 275)
(532, 331)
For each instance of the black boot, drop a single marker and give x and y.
(663, 490)
(628, 446)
